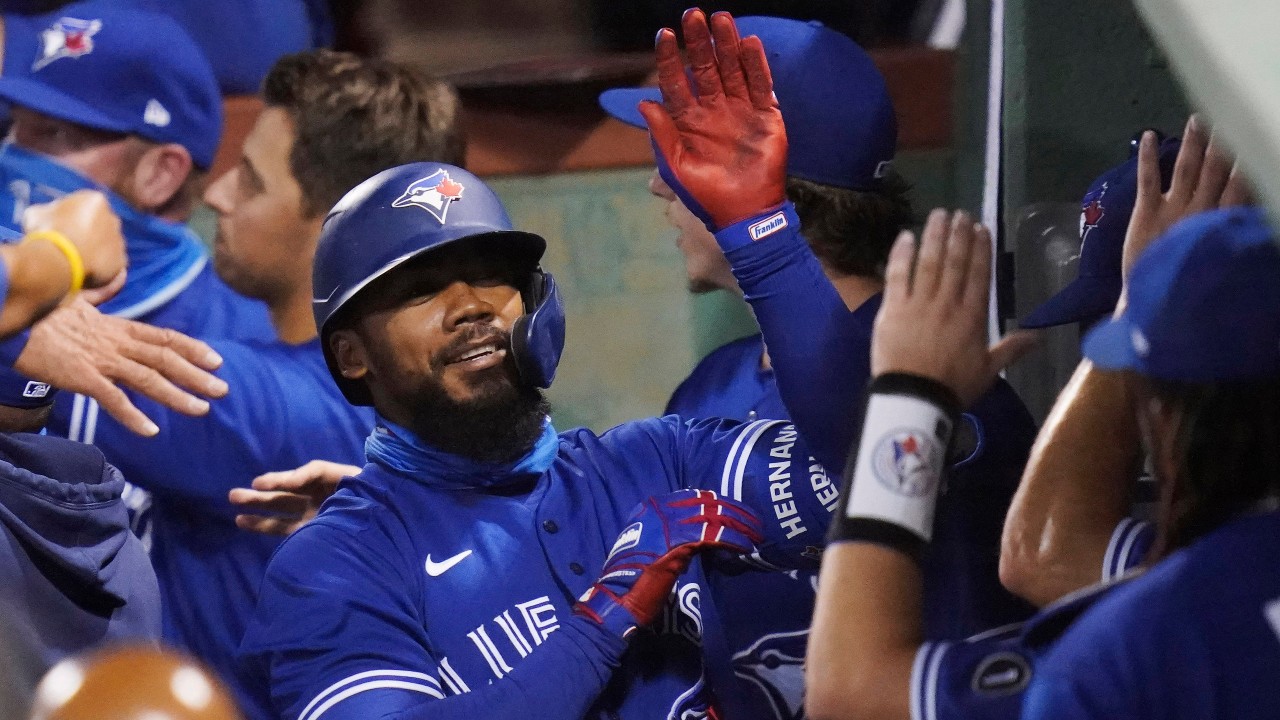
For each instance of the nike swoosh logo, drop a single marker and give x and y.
(436, 569)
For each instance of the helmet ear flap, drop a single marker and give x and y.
(537, 338)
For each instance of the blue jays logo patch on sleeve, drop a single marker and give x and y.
(433, 193)
(68, 37)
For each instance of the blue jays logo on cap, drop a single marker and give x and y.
(905, 461)
(68, 37)
(1091, 213)
(433, 193)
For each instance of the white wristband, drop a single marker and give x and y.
(900, 461)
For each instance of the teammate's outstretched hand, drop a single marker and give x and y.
(933, 321)
(720, 145)
(661, 536)
(79, 349)
(85, 218)
(281, 502)
(1204, 178)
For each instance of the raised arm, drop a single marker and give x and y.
(721, 146)
(930, 357)
(1079, 481)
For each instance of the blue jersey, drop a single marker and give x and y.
(283, 409)
(986, 676)
(349, 626)
(405, 589)
(1196, 636)
(730, 383)
(765, 616)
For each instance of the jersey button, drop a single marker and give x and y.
(550, 526)
(576, 568)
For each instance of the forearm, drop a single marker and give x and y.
(866, 631)
(817, 347)
(39, 276)
(1077, 486)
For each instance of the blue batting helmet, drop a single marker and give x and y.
(406, 212)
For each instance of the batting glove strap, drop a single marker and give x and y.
(655, 547)
(894, 474)
(758, 227)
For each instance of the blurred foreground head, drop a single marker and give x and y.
(131, 682)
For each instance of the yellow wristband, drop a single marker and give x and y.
(69, 249)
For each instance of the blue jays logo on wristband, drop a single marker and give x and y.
(907, 462)
(433, 193)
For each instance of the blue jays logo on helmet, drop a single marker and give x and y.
(68, 37)
(433, 193)
(775, 665)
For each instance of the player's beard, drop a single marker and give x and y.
(500, 423)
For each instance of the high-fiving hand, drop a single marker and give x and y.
(933, 321)
(720, 145)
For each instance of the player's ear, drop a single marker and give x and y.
(159, 178)
(350, 353)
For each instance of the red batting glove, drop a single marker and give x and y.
(662, 536)
(721, 146)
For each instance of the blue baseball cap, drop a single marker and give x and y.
(1104, 220)
(117, 69)
(19, 391)
(1204, 304)
(841, 127)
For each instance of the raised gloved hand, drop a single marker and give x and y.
(661, 537)
(721, 145)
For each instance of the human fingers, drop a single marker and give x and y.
(954, 269)
(309, 478)
(149, 382)
(672, 81)
(1237, 192)
(701, 54)
(117, 404)
(1186, 168)
(728, 56)
(188, 348)
(270, 525)
(99, 295)
(277, 502)
(1214, 175)
(174, 368)
(897, 273)
(1149, 192)
(977, 287)
(933, 243)
(1010, 348)
(755, 65)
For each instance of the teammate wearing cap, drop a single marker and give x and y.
(1032, 548)
(442, 580)
(331, 120)
(866, 658)
(841, 132)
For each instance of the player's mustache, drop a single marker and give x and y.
(467, 339)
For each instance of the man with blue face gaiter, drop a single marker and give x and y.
(122, 101)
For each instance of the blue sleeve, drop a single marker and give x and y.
(1127, 662)
(337, 635)
(819, 349)
(979, 679)
(769, 468)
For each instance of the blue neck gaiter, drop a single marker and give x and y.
(164, 257)
(399, 449)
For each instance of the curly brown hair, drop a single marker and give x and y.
(852, 231)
